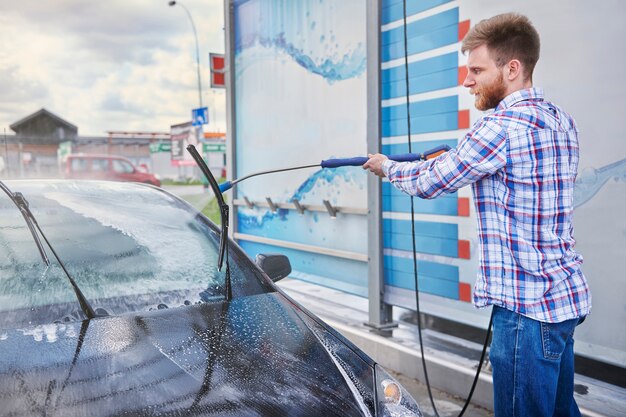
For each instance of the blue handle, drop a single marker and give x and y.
(404, 157)
(344, 162)
(225, 186)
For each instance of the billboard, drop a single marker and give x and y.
(181, 135)
(300, 97)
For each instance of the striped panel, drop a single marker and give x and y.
(441, 114)
(396, 200)
(430, 237)
(430, 74)
(433, 278)
(420, 109)
(425, 34)
(422, 124)
(341, 274)
(393, 10)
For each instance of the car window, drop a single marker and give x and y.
(122, 167)
(99, 164)
(78, 164)
(128, 247)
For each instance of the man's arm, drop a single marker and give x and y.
(482, 152)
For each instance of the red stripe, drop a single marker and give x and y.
(464, 27)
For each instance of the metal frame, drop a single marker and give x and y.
(229, 83)
(380, 313)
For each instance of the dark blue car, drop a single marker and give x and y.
(147, 328)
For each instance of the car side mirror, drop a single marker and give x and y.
(275, 265)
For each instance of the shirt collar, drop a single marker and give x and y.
(520, 95)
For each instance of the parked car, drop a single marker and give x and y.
(164, 339)
(106, 167)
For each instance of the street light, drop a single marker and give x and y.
(193, 26)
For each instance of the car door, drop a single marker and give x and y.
(123, 170)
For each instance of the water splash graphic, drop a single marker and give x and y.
(591, 180)
(322, 178)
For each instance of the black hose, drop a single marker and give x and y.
(417, 303)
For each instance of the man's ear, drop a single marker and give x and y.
(513, 70)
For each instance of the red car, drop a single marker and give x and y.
(106, 167)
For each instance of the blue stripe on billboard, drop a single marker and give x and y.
(425, 124)
(423, 35)
(393, 10)
(430, 245)
(434, 270)
(422, 229)
(427, 284)
(396, 201)
(433, 278)
(422, 84)
(421, 108)
(418, 68)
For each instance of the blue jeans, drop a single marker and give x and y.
(533, 366)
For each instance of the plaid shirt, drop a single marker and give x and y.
(521, 161)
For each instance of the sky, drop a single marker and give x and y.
(115, 65)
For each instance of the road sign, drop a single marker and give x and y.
(217, 70)
(200, 116)
(213, 147)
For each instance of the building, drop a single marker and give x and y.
(43, 139)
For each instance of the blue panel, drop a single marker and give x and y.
(421, 108)
(422, 228)
(419, 28)
(396, 201)
(342, 274)
(419, 68)
(429, 82)
(425, 124)
(431, 245)
(425, 268)
(416, 147)
(433, 40)
(393, 10)
(427, 284)
(444, 205)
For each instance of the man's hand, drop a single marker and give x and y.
(375, 164)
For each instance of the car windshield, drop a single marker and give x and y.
(128, 247)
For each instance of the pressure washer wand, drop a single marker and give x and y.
(343, 162)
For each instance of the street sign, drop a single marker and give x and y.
(213, 147)
(200, 116)
(217, 70)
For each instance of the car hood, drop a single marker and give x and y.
(251, 356)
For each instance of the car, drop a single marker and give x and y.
(112, 303)
(106, 167)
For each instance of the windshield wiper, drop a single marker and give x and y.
(223, 250)
(22, 204)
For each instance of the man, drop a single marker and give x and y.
(521, 161)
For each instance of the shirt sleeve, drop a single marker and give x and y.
(482, 152)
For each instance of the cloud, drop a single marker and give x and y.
(112, 65)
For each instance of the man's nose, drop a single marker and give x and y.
(469, 81)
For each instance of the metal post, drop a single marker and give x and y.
(193, 26)
(380, 314)
(229, 83)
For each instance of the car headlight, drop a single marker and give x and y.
(393, 400)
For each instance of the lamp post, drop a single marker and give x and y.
(193, 26)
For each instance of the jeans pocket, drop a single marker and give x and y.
(554, 337)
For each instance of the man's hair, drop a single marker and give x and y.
(507, 36)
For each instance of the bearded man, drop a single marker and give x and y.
(521, 161)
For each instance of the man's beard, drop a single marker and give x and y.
(492, 94)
